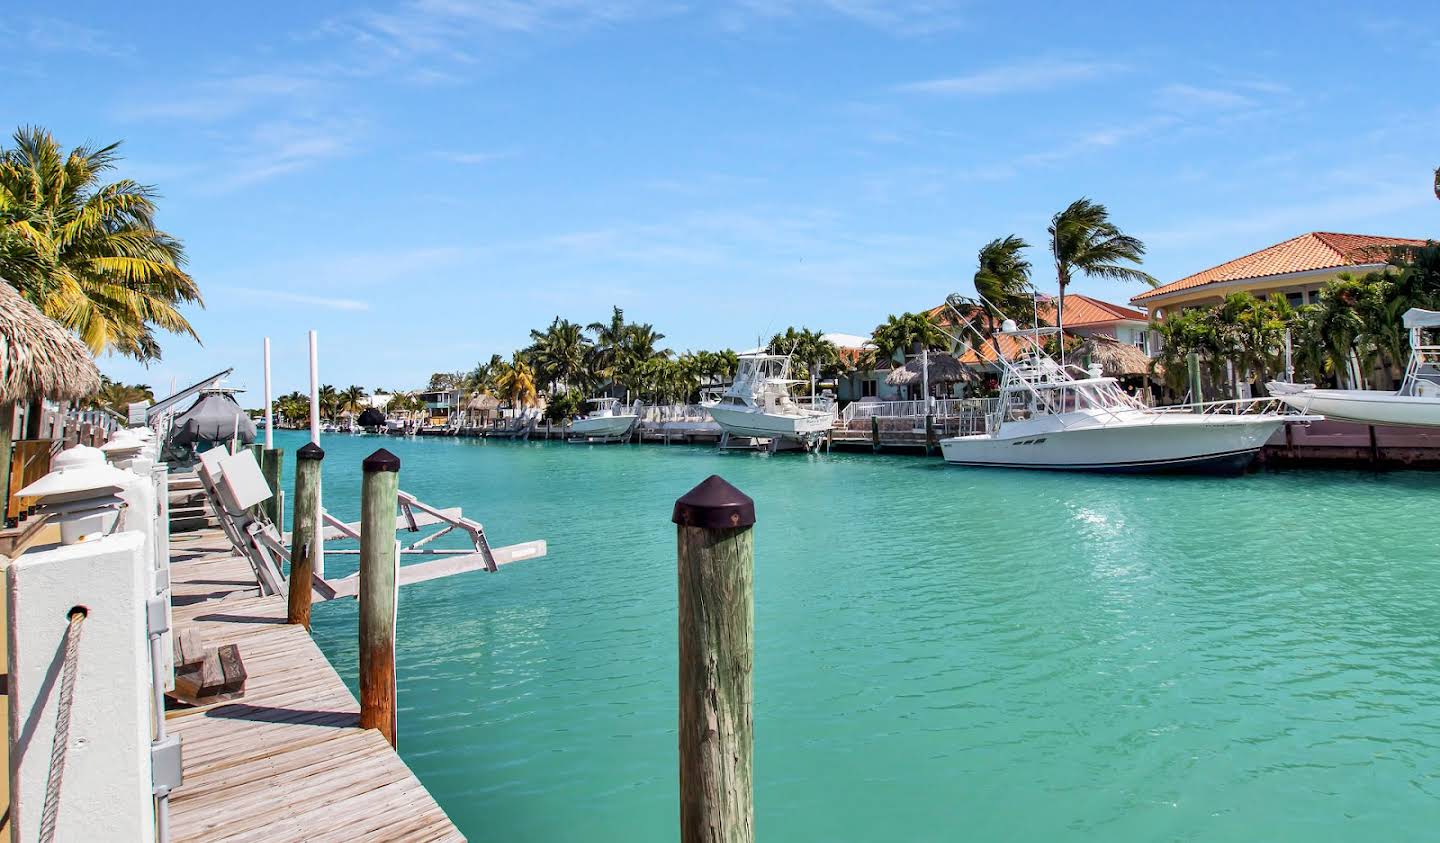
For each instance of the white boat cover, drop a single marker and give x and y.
(1418, 318)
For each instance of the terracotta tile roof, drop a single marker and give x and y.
(1313, 251)
(1080, 311)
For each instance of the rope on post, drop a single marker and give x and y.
(61, 740)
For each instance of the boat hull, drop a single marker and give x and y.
(739, 422)
(1163, 444)
(603, 425)
(1367, 406)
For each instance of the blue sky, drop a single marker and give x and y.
(424, 181)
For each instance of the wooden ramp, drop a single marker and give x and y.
(288, 762)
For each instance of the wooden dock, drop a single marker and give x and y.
(288, 761)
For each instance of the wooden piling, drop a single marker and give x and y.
(875, 434)
(930, 442)
(715, 556)
(378, 595)
(302, 544)
(273, 467)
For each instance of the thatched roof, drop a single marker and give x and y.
(1116, 359)
(39, 358)
(482, 402)
(944, 368)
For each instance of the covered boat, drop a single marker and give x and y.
(1415, 404)
(212, 419)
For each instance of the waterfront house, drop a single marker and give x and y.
(1296, 269)
(439, 404)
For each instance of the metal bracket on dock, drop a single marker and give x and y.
(167, 771)
(156, 612)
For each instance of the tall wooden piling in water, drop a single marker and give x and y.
(302, 544)
(273, 467)
(715, 555)
(379, 581)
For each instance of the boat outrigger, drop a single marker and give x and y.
(1059, 417)
(1415, 404)
(758, 404)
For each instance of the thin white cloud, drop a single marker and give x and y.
(53, 35)
(220, 98)
(1194, 98)
(475, 158)
(1022, 77)
(282, 147)
(327, 302)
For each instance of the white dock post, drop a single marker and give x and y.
(269, 416)
(105, 793)
(317, 553)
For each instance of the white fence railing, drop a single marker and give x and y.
(943, 408)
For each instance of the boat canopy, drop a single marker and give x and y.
(1419, 318)
(214, 418)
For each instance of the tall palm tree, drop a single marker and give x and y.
(1002, 282)
(1084, 241)
(516, 382)
(88, 254)
(810, 351)
(118, 396)
(608, 345)
(352, 399)
(559, 354)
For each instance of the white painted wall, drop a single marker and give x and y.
(106, 793)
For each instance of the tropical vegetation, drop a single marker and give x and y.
(86, 252)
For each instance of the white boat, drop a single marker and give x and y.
(758, 404)
(1048, 418)
(1415, 404)
(608, 419)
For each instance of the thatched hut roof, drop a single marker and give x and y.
(39, 358)
(482, 402)
(1116, 359)
(944, 368)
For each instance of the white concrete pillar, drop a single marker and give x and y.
(106, 790)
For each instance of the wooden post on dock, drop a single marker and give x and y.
(1196, 394)
(716, 565)
(875, 434)
(302, 543)
(929, 434)
(273, 467)
(378, 592)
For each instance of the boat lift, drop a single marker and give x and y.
(235, 487)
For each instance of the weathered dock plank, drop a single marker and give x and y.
(288, 762)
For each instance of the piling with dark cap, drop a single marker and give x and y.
(302, 537)
(715, 555)
(379, 581)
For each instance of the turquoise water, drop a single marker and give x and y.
(941, 653)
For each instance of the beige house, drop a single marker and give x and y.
(1296, 269)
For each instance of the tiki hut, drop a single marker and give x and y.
(1116, 359)
(38, 357)
(482, 407)
(944, 370)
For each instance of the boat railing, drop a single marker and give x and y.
(943, 408)
(1260, 405)
(673, 413)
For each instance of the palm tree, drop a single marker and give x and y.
(1002, 282)
(560, 353)
(118, 397)
(815, 354)
(88, 254)
(516, 382)
(906, 334)
(352, 398)
(329, 400)
(608, 345)
(1084, 241)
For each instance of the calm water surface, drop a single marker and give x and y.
(942, 653)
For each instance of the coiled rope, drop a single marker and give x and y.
(62, 727)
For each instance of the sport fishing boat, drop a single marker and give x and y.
(608, 419)
(758, 404)
(1415, 404)
(1047, 417)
